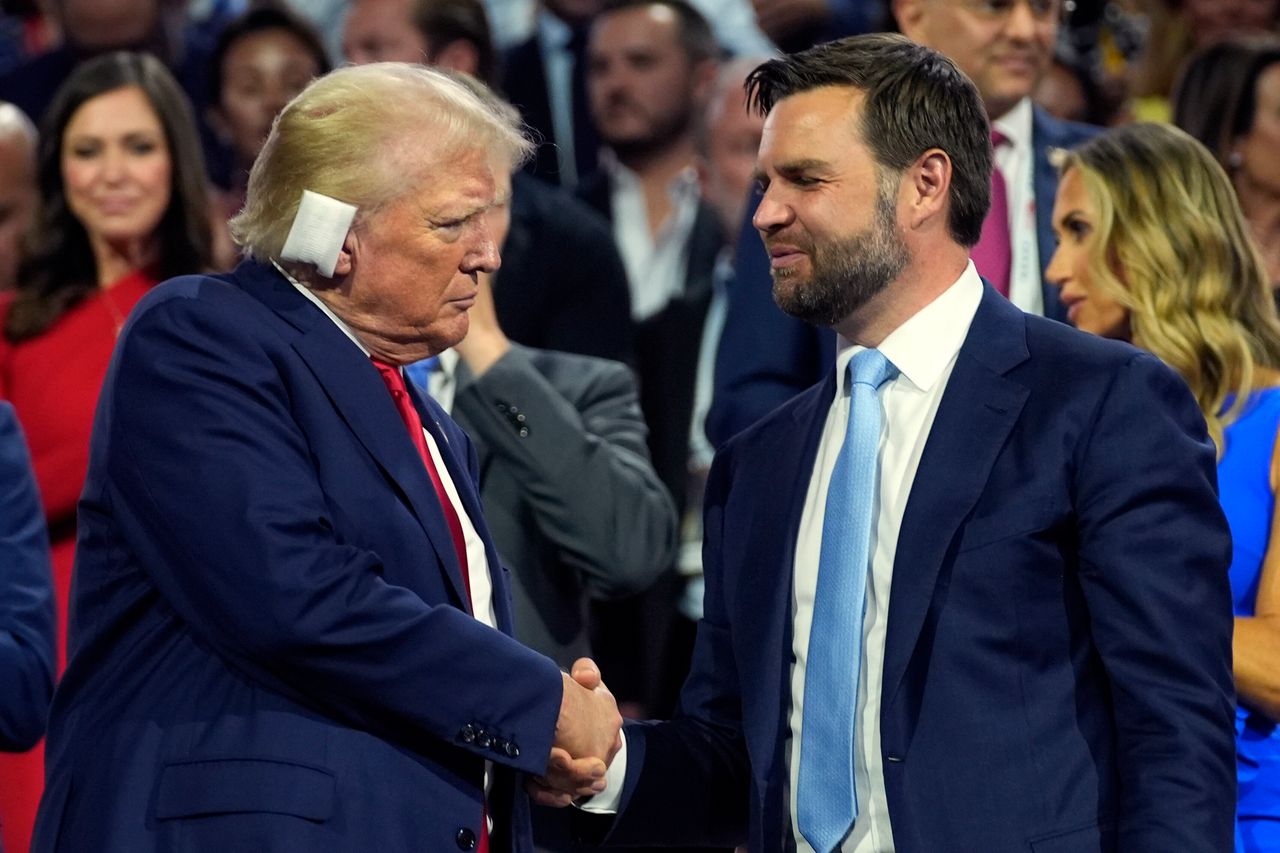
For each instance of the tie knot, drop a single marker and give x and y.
(870, 367)
(997, 138)
(390, 376)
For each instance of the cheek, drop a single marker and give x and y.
(77, 177)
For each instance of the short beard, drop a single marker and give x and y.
(847, 276)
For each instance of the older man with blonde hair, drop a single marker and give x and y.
(293, 629)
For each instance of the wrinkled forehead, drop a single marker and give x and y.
(813, 123)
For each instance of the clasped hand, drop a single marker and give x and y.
(588, 736)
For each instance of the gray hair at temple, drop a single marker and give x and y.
(365, 135)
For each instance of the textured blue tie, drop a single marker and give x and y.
(826, 801)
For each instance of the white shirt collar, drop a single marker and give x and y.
(449, 362)
(315, 300)
(923, 346)
(1016, 124)
(681, 189)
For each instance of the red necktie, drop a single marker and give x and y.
(993, 256)
(400, 396)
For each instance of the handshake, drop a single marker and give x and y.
(588, 736)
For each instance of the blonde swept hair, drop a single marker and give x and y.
(366, 135)
(1174, 249)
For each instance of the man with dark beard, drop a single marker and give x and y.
(651, 65)
(970, 592)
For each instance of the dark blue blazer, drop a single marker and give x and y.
(767, 357)
(271, 646)
(26, 595)
(1057, 670)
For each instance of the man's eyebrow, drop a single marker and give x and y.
(810, 164)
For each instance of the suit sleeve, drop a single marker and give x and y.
(213, 484)
(688, 779)
(26, 596)
(1154, 551)
(583, 466)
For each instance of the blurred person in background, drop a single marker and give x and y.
(1176, 29)
(727, 137)
(1228, 98)
(17, 188)
(260, 61)
(123, 205)
(651, 68)
(1153, 249)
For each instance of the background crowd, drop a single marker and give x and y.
(630, 329)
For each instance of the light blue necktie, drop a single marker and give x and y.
(826, 800)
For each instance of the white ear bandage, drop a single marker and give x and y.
(318, 231)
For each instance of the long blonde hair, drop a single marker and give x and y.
(1174, 249)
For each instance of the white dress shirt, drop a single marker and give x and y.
(477, 563)
(1016, 161)
(656, 263)
(924, 349)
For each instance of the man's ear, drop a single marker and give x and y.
(928, 188)
(908, 14)
(346, 255)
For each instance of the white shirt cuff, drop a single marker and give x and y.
(607, 801)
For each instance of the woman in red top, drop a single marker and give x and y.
(122, 187)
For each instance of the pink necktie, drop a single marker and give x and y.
(993, 256)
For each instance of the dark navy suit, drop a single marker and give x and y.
(1057, 669)
(26, 595)
(271, 644)
(752, 379)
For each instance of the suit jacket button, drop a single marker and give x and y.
(467, 734)
(484, 740)
(465, 839)
(511, 750)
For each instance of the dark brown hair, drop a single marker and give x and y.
(916, 99)
(60, 268)
(265, 16)
(1215, 99)
(442, 22)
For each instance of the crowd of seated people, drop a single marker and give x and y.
(631, 329)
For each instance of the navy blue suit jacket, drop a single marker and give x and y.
(26, 595)
(1057, 670)
(271, 645)
(751, 379)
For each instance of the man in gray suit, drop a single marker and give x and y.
(569, 493)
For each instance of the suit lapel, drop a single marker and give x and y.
(979, 409)
(361, 399)
(764, 589)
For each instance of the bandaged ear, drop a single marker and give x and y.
(318, 232)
